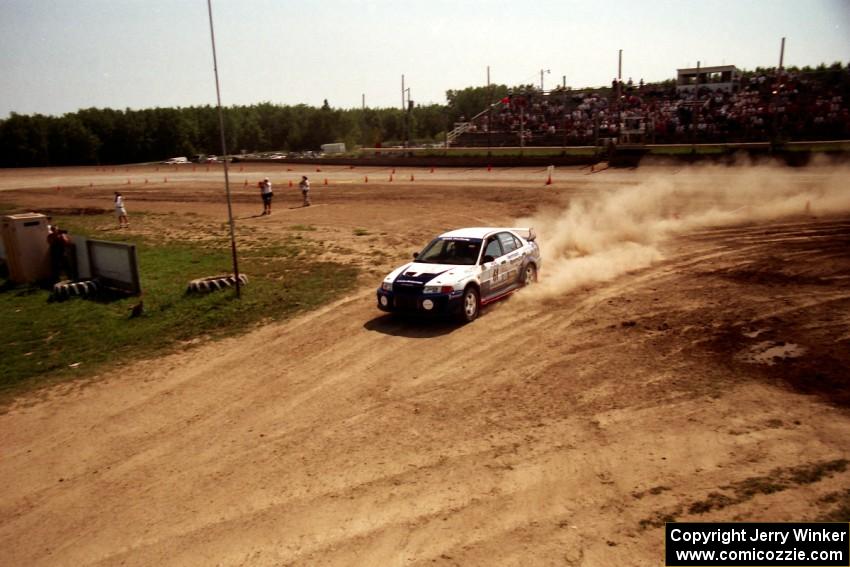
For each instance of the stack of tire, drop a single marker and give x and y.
(68, 289)
(215, 283)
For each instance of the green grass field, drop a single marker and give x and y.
(47, 341)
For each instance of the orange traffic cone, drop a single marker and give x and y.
(549, 180)
(411, 177)
(366, 179)
(489, 167)
(432, 170)
(391, 177)
(318, 170)
(326, 180)
(290, 183)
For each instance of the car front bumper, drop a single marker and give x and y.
(426, 304)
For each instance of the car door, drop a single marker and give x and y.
(511, 262)
(489, 278)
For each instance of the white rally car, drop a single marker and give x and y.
(461, 270)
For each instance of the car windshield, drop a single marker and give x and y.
(460, 251)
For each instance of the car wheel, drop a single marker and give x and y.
(529, 275)
(470, 305)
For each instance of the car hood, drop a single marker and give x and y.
(435, 274)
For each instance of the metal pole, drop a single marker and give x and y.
(782, 54)
(364, 101)
(403, 115)
(489, 113)
(522, 124)
(224, 152)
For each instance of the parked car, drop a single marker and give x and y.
(460, 271)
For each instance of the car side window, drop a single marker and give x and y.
(493, 249)
(508, 243)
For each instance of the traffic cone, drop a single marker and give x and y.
(393, 171)
(391, 177)
(411, 177)
(326, 180)
(549, 180)
(290, 183)
(489, 167)
(318, 170)
(246, 183)
(366, 179)
(432, 170)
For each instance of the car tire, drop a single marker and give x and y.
(528, 275)
(470, 305)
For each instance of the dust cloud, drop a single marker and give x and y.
(598, 238)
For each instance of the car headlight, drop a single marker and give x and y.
(437, 289)
(387, 286)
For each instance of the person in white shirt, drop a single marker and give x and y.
(266, 193)
(305, 190)
(120, 211)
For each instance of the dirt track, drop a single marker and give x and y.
(562, 428)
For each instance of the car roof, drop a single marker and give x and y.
(473, 232)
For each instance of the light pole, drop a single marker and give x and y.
(224, 152)
(542, 71)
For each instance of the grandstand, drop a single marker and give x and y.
(716, 105)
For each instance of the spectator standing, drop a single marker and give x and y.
(305, 190)
(266, 194)
(59, 243)
(120, 211)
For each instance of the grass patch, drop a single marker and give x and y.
(52, 341)
(361, 232)
(302, 228)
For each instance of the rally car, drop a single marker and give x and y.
(460, 271)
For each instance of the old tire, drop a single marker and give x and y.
(214, 283)
(68, 289)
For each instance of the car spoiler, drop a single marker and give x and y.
(527, 233)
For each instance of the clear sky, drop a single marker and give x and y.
(58, 56)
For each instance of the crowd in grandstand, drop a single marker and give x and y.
(761, 107)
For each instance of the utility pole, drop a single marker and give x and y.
(403, 114)
(224, 152)
(363, 104)
(541, 77)
(489, 112)
(782, 54)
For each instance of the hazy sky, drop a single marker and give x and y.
(57, 56)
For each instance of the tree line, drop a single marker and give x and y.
(95, 136)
